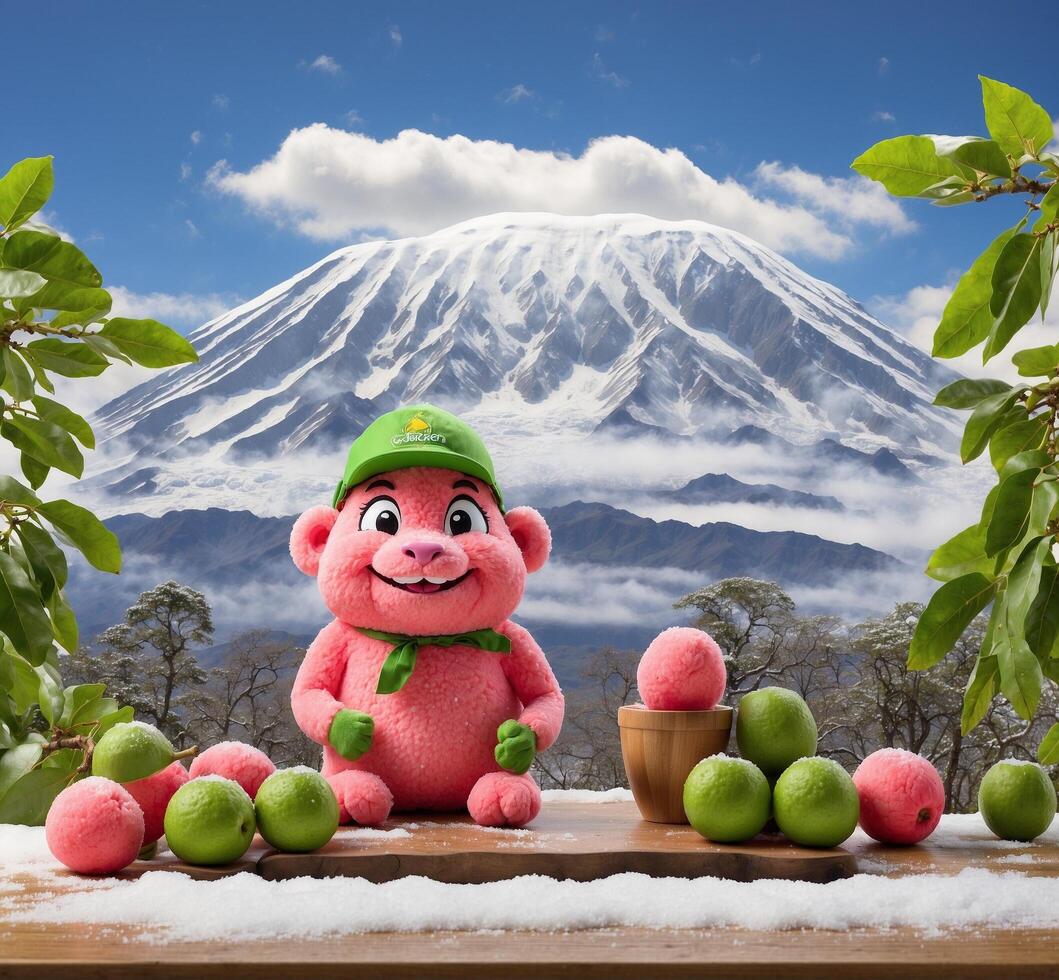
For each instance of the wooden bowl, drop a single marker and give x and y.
(660, 748)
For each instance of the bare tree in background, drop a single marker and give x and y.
(248, 698)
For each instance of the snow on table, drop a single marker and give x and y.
(168, 906)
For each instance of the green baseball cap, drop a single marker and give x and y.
(418, 435)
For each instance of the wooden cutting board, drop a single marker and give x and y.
(581, 842)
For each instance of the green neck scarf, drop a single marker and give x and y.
(401, 661)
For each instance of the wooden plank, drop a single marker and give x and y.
(581, 842)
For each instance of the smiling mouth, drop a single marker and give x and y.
(421, 584)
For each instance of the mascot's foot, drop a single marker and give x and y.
(362, 797)
(502, 799)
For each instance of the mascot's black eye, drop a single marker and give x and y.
(465, 515)
(381, 514)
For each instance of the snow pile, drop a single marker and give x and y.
(617, 795)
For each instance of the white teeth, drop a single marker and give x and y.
(437, 581)
(405, 580)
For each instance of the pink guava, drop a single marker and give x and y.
(901, 796)
(153, 794)
(244, 764)
(682, 670)
(95, 827)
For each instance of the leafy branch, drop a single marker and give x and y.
(1007, 558)
(54, 321)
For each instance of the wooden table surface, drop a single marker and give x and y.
(34, 950)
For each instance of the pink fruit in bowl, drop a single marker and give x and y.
(901, 796)
(153, 794)
(682, 670)
(242, 763)
(94, 827)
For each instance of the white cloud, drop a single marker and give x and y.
(396, 38)
(220, 102)
(883, 65)
(331, 184)
(918, 312)
(603, 34)
(181, 309)
(517, 93)
(854, 199)
(354, 118)
(48, 221)
(883, 115)
(326, 64)
(192, 229)
(600, 70)
(185, 171)
(196, 137)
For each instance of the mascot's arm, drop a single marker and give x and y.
(534, 685)
(319, 677)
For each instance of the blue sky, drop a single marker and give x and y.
(138, 101)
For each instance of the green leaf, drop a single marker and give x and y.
(24, 190)
(85, 532)
(76, 698)
(1024, 583)
(22, 617)
(45, 442)
(1042, 620)
(16, 283)
(1023, 435)
(988, 415)
(1036, 361)
(51, 694)
(34, 471)
(106, 347)
(1048, 750)
(16, 762)
(71, 359)
(1049, 262)
(967, 319)
(45, 556)
(979, 154)
(18, 382)
(107, 722)
(1020, 675)
(1016, 291)
(149, 342)
(946, 616)
(63, 620)
(1014, 120)
(61, 263)
(968, 392)
(52, 411)
(28, 800)
(1011, 513)
(981, 689)
(961, 555)
(905, 165)
(14, 492)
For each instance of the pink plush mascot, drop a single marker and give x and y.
(422, 692)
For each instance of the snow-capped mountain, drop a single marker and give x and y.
(613, 322)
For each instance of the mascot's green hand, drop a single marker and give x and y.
(516, 746)
(350, 733)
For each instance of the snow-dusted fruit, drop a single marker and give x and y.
(94, 827)
(133, 750)
(209, 820)
(682, 670)
(901, 796)
(1017, 800)
(773, 727)
(153, 794)
(727, 800)
(816, 803)
(296, 810)
(248, 766)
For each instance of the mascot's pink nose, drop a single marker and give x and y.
(423, 551)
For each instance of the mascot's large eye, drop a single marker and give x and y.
(381, 514)
(465, 515)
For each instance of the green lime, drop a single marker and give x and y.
(132, 750)
(1017, 800)
(816, 803)
(773, 727)
(209, 820)
(296, 810)
(727, 800)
